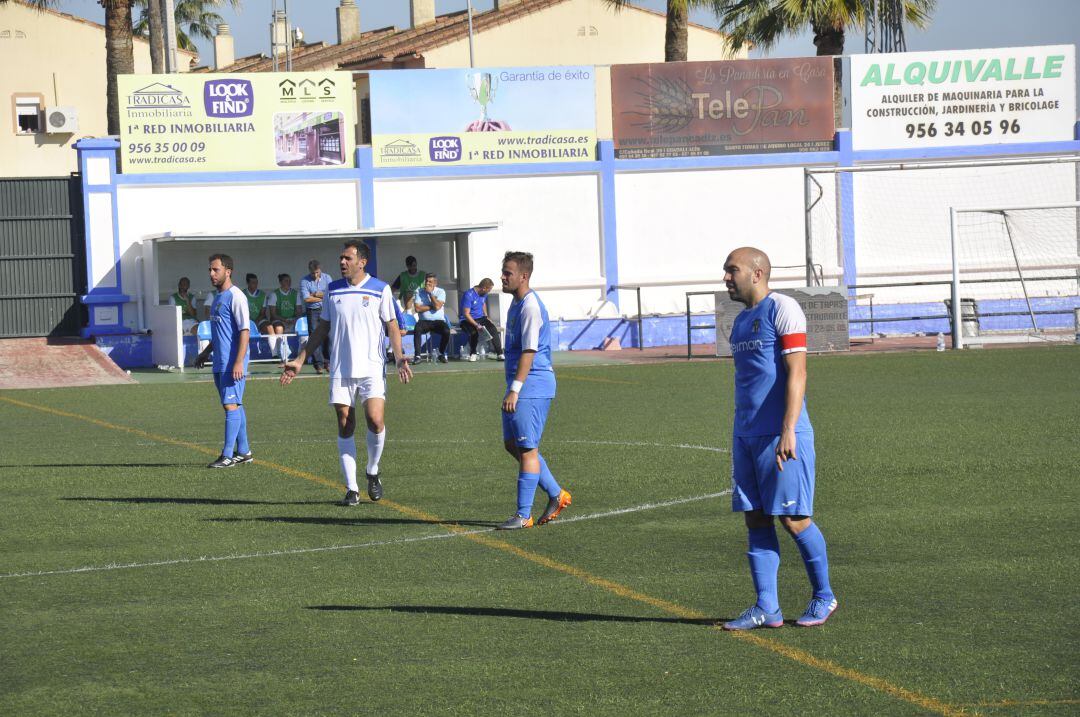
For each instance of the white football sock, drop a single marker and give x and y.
(375, 443)
(347, 452)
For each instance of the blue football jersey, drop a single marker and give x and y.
(228, 316)
(528, 328)
(760, 337)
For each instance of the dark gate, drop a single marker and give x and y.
(42, 257)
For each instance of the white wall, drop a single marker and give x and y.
(242, 208)
(557, 218)
(678, 226)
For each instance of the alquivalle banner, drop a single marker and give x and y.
(240, 122)
(963, 97)
(491, 115)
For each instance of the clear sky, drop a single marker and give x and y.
(957, 24)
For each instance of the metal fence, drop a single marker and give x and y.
(42, 257)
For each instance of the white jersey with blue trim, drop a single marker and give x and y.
(228, 316)
(358, 316)
(529, 329)
(760, 338)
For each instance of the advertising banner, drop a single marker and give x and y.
(492, 115)
(963, 97)
(693, 109)
(217, 123)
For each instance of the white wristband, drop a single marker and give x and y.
(515, 386)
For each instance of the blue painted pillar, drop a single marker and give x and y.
(609, 234)
(847, 209)
(105, 297)
(366, 200)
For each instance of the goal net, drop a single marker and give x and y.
(1021, 267)
(885, 233)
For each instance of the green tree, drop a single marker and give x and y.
(194, 18)
(119, 50)
(763, 22)
(675, 37)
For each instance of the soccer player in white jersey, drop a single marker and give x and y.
(530, 388)
(772, 455)
(358, 315)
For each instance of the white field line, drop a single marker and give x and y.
(628, 444)
(373, 544)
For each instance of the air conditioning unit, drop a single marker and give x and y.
(61, 120)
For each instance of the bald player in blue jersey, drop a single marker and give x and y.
(772, 456)
(530, 388)
(229, 336)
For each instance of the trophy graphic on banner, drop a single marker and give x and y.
(482, 87)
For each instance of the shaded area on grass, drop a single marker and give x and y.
(352, 521)
(556, 615)
(197, 501)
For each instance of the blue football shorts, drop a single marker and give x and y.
(525, 426)
(231, 391)
(757, 484)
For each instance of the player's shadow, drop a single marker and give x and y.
(193, 501)
(319, 520)
(554, 615)
(98, 465)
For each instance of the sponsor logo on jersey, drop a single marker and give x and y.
(751, 345)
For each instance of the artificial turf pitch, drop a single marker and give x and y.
(947, 491)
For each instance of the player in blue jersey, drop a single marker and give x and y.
(230, 332)
(530, 387)
(359, 314)
(772, 456)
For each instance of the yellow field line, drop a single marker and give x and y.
(792, 653)
(1022, 703)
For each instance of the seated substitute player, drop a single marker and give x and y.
(285, 306)
(230, 333)
(189, 320)
(429, 301)
(358, 315)
(530, 387)
(772, 457)
(256, 298)
(473, 317)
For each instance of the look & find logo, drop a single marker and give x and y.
(228, 98)
(444, 149)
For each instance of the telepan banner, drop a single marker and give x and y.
(691, 109)
(493, 115)
(963, 97)
(216, 123)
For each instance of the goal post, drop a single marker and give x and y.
(1022, 255)
(910, 265)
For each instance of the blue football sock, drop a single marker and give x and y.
(526, 492)
(242, 445)
(764, 555)
(233, 421)
(812, 548)
(547, 480)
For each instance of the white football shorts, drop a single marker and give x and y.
(346, 391)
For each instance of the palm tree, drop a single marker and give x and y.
(675, 37)
(119, 50)
(763, 22)
(194, 18)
